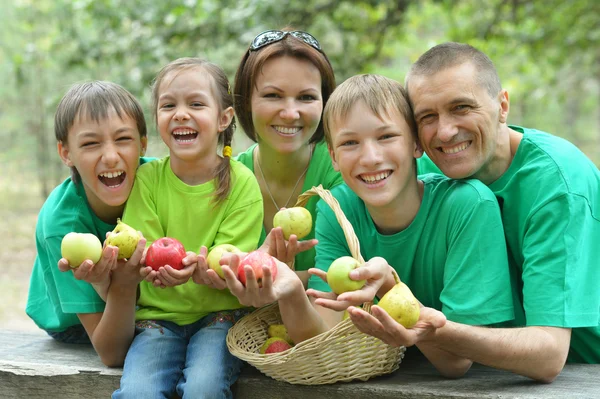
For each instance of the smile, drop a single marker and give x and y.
(373, 178)
(185, 136)
(288, 130)
(112, 179)
(455, 149)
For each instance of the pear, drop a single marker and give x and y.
(401, 304)
(279, 331)
(125, 238)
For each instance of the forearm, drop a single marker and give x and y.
(448, 364)
(535, 352)
(114, 333)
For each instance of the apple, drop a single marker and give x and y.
(215, 255)
(78, 247)
(296, 220)
(338, 275)
(125, 238)
(257, 259)
(274, 345)
(165, 251)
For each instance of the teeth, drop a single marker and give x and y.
(454, 150)
(287, 130)
(112, 174)
(184, 132)
(376, 177)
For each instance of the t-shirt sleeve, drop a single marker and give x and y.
(332, 244)
(560, 266)
(141, 210)
(477, 287)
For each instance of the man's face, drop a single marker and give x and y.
(459, 122)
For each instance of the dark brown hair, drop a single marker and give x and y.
(222, 92)
(252, 64)
(94, 100)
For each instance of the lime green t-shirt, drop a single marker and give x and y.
(55, 297)
(320, 171)
(452, 256)
(550, 203)
(161, 205)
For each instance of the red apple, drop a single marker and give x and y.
(165, 251)
(256, 260)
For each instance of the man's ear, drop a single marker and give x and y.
(144, 144)
(225, 119)
(504, 106)
(418, 153)
(332, 156)
(63, 152)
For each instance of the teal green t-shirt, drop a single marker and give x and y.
(452, 256)
(320, 171)
(55, 297)
(161, 205)
(550, 203)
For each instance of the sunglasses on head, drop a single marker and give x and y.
(272, 36)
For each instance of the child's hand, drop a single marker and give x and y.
(269, 291)
(375, 271)
(166, 276)
(204, 275)
(381, 325)
(89, 272)
(276, 246)
(127, 273)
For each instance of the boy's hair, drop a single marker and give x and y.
(382, 95)
(251, 66)
(222, 92)
(451, 54)
(94, 100)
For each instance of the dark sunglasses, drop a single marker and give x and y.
(272, 36)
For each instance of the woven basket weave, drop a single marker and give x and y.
(341, 354)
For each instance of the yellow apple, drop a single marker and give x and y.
(216, 254)
(296, 220)
(338, 275)
(78, 247)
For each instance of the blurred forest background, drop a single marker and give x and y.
(547, 54)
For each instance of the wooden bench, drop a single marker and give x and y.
(32, 365)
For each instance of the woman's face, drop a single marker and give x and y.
(286, 103)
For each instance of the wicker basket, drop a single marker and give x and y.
(341, 354)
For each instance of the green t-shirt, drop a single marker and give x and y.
(161, 205)
(320, 171)
(452, 255)
(55, 297)
(550, 203)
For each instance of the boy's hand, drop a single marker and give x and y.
(381, 325)
(269, 291)
(205, 275)
(166, 276)
(375, 271)
(89, 272)
(276, 246)
(127, 273)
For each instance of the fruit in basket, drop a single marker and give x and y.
(257, 259)
(279, 331)
(338, 275)
(78, 247)
(165, 251)
(296, 220)
(401, 304)
(274, 345)
(215, 255)
(125, 238)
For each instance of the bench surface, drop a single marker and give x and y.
(32, 365)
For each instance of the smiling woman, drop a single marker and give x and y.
(281, 87)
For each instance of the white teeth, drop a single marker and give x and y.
(454, 150)
(184, 132)
(287, 130)
(112, 174)
(376, 177)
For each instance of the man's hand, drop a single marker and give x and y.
(276, 246)
(381, 325)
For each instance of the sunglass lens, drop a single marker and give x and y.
(265, 38)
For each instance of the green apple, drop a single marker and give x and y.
(338, 275)
(296, 220)
(125, 238)
(78, 247)
(215, 255)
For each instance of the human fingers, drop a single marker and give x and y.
(136, 257)
(63, 265)
(318, 272)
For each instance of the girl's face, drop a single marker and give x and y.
(106, 154)
(286, 103)
(189, 117)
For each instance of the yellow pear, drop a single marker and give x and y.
(401, 304)
(279, 331)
